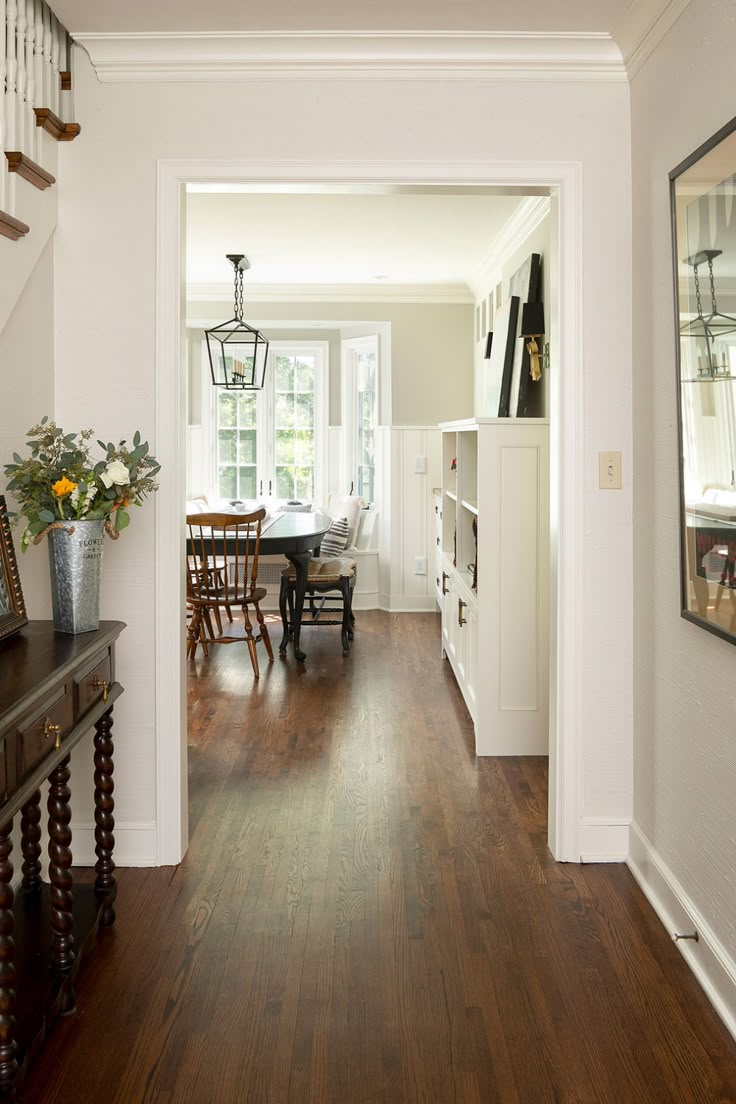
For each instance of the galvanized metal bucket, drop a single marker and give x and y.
(75, 559)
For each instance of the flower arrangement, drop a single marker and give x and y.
(61, 482)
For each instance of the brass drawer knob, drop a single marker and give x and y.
(49, 730)
(103, 685)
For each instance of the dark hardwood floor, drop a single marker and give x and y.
(367, 913)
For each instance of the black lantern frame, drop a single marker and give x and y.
(238, 353)
(708, 328)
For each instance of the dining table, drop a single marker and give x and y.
(298, 537)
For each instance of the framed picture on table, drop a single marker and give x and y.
(12, 607)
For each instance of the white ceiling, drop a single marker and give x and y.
(344, 238)
(561, 16)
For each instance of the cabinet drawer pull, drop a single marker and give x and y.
(50, 729)
(438, 542)
(103, 685)
(460, 619)
(445, 577)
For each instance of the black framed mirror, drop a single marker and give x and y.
(703, 205)
(12, 606)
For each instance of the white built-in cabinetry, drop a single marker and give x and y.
(495, 471)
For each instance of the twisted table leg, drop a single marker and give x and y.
(104, 819)
(8, 1060)
(61, 898)
(30, 827)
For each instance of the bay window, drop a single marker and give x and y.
(272, 443)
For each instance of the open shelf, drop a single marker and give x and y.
(452, 495)
(471, 506)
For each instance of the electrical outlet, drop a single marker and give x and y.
(609, 471)
(420, 565)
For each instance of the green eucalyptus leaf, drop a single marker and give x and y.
(17, 458)
(136, 439)
(102, 444)
(110, 492)
(46, 515)
(44, 419)
(122, 520)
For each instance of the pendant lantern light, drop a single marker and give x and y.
(238, 352)
(709, 330)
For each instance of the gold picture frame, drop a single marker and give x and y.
(12, 605)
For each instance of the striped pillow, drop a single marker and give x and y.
(336, 538)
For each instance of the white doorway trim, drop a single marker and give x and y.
(566, 460)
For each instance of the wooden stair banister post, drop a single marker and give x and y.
(10, 76)
(3, 131)
(32, 143)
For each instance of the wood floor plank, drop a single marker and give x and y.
(368, 914)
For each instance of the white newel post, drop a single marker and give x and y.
(55, 46)
(3, 72)
(31, 144)
(10, 105)
(20, 85)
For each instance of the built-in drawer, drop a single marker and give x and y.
(42, 730)
(92, 684)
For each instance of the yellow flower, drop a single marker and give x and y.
(63, 487)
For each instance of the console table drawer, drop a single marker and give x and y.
(92, 685)
(42, 730)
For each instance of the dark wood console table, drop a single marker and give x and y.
(53, 689)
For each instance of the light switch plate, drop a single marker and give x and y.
(420, 465)
(609, 471)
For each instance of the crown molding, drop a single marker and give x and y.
(524, 221)
(643, 26)
(402, 55)
(332, 293)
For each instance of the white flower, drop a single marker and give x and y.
(115, 473)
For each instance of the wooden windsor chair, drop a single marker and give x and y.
(222, 568)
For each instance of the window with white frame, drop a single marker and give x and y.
(272, 443)
(360, 412)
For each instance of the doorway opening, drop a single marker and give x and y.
(397, 438)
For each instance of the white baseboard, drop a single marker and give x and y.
(604, 839)
(135, 843)
(409, 603)
(708, 959)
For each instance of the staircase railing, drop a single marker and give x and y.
(35, 89)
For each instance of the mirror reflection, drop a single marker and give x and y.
(704, 220)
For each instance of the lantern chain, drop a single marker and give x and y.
(239, 293)
(698, 300)
(712, 285)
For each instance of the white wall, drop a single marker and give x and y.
(403, 120)
(27, 375)
(685, 691)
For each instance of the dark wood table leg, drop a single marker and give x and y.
(283, 590)
(30, 828)
(300, 561)
(61, 951)
(105, 885)
(8, 1059)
